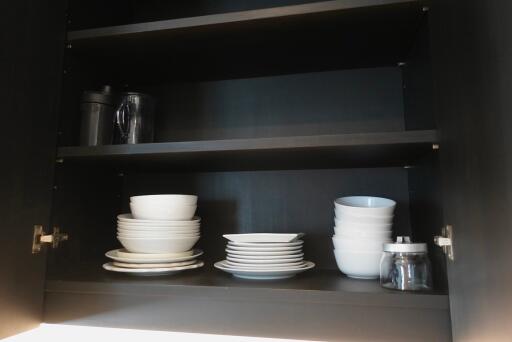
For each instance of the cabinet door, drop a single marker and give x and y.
(31, 40)
(472, 52)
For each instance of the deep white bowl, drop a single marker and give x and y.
(362, 219)
(359, 245)
(148, 211)
(362, 234)
(361, 265)
(365, 205)
(129, 220)
(367, 227)
(165, 199)
(150, 245)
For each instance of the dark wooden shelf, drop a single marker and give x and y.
(317, 151)
(191, 301)
(320, 35)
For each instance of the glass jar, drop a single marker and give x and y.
(405, 266)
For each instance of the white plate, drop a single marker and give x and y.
(266, 257)
(264, 249)
(265, 266)
(159, 265)
(265, 244)
(122, 255)
(289, 254)
(147, 227)
(152, 271)
(263, 261)
(263, 274)
(128, 218)
(263, 237)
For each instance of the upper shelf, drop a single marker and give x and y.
(316, 151)
(323, 35)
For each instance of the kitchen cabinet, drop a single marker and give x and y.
(267, 111)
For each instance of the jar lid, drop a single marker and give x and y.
(103, 96)
(403, 244)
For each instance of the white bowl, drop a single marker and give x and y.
(156, 236)
(365, 205)
(147, 211)
(362, 234)
(361, 245)
(362, 219)
(149, 245)
(156, 233)
(159, 229)
(165, 199)
(129, 220)
(361, 265)
(367, 227)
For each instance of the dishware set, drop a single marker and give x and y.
(158, 237)
(363, 224)
(264, 256)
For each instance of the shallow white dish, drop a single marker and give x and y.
(129, 219)
(152, 245)
(365, 205)
(153, 265)
(263, 237)
(151, 271)
(360, 265)
(265, 266)
(262, 261)
(281, 253)
(265, 244)
(264, 248)
(266, 257)
(263, 274)
(141, 258)
(165, 199)
(148, 211)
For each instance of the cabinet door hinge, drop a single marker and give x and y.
(445, 241)
(40, 238)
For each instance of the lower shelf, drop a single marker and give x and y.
(314, 305)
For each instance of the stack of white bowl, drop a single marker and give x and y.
(363, 224)
(162, 227)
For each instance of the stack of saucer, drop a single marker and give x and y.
(158, 238)
(264, 256)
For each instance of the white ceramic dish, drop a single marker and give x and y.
(361, 219)
(365, 205)
(264, 249)
(262, 261)
(129, 219)
(361, 265)
(190, 228)
(264, 266)
(367, 227)
(153, 265)
(156, 234)
(362, 234)
(162, 237)
(148, 211)
(263, 274)
(281, 253)
(122, 255)
(151, 271)
(165, 199)
(265, 257)
(362, 245)
(265, 244)
(150, 245)
(263, 237)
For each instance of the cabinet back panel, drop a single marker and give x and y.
(276, 201)
(362, 100)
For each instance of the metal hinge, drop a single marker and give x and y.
(445, 241)
(41, 238)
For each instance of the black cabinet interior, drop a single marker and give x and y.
(268, 120)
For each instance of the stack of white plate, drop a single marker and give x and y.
(264, 256)
(362, 226)
(162, 228)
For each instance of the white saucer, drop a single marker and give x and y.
(138, 258)
(262, 261)
(263, 274)
(263, 237)
(151, 271)
(162, 265)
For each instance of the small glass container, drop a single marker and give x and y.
(405, 266)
